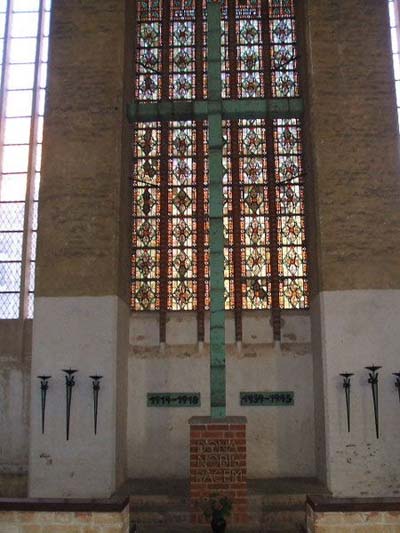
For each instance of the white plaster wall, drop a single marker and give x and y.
(360, 328)
(320, 441)
(82, 333)
(280, 439)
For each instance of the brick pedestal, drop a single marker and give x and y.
(218, 464)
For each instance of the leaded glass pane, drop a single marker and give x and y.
(10, 274)
(289, 177)
(12, 216)
(19, 152)
(182, 157)
(9, 305)
(259, 57)
(10, 246)
(168, 36)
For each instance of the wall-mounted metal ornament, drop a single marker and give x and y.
(347, 385)
(69, 384)
(373, 380)
(96, 388)
(397, 382)
(44, 385)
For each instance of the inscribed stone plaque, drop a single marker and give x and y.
(259, 399)
(173, 399)
(218, 461)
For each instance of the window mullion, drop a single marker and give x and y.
(165, 50)
(200, 172)
(164, 223)
(200, 237)
(29, 204)
(236, 219)
(234, 155)
(199, 51)
(396, 6)
(272, 214)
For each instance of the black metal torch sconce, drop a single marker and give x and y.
(69, 384)
(96, 389)
(346, 386)
(397, 382)
(373, 380)
(44, 385)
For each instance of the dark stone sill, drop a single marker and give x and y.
(81, 505)
(323, 504)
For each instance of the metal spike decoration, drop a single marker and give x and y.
(69, 384)
(44, 385)
(347, 385)
(397, 382)
(373, 380)
(96, 389)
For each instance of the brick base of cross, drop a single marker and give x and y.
(218, 465)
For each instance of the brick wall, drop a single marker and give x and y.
(64, 522)
(353, 143)
(218, 465)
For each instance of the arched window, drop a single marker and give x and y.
(24, 35)
(264, 233)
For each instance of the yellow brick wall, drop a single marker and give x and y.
(83, 240)
(64, 522)
(351, 126)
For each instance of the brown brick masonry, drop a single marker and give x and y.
(64, 516)
(350, 515)
(218, 464)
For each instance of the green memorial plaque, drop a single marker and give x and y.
(173, 399)
(266, 399)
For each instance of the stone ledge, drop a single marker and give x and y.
(108, 505)
(322, 504)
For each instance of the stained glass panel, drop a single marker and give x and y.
(184, 158)
(289, 179)
(168, 36)
(242, 45)
(259, 56)
(247, 233)
(284, 75)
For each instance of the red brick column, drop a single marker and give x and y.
(218, 464)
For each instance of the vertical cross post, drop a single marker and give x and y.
(217, 307)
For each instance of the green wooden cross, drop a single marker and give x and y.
(215, 110)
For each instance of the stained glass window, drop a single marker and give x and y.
(170, 228)
(24, 36)
(265, 253)
(171, 51)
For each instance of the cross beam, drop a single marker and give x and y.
(230, 109)
(215, 110)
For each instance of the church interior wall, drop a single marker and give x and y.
(362, 331)
(280, 439)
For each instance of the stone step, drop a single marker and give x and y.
(283, 518)
(274, 505)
